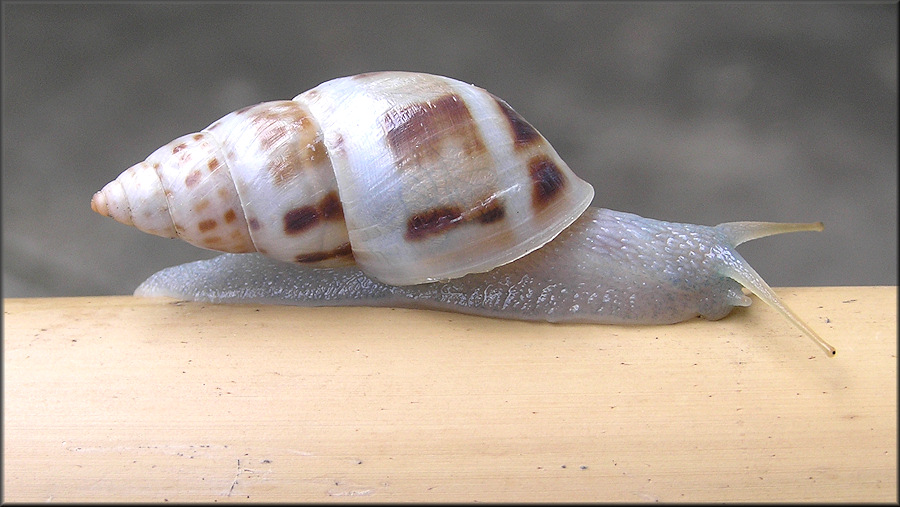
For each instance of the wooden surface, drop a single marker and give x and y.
(120, 398)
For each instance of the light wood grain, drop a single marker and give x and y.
(121, 398)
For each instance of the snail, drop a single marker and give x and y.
(414, 190)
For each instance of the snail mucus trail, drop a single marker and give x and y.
(412, 190)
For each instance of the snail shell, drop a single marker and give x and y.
(414, 177)
(372, 184)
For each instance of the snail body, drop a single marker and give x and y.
(413, 190)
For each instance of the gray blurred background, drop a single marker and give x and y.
(698, 113)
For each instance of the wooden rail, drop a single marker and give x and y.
(128, 399)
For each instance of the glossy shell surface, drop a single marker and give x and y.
(414, 177)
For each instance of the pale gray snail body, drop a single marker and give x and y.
(413, 190)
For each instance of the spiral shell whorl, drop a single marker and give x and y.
(286, 183)
(439, 178)
(180, 191)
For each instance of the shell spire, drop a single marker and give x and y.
(224, 188)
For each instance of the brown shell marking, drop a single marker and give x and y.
(523, 133)
(207, 225)
(547, 180)
(440, 219)
(421, 136)
(369, 75)
(490, 211)
(298, 220)
(433, 221)
(342, 251)
(287, 131)
(210, 224)
(292, 127)
(192, 179)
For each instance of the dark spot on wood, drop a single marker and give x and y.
(523, 133)
(178, 148)
(431, 222)
(341, 251)
(207, 225)
(298, 220)
(230, 216)
(547, 180)
(192, 179)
